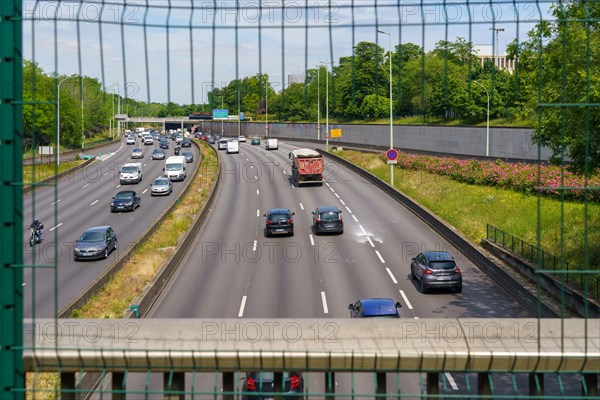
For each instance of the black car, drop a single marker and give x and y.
(125, 200)
(279, 221)
(164, 144)
(328, 219)
(186, 142)
(158, 154)
(95, 243)
(436, 269)
(375, 307)
(264, 383)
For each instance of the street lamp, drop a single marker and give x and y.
(391, 107)
(319, 102)
(326, 104)
(487, 128)
(221, 117)
(496, 30)
(58, 119)
(267, 109)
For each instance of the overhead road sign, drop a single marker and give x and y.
(220, 114)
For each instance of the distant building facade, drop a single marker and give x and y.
(295, 78)
(485, 52)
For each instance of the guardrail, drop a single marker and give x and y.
(541, 259)
(326, 348)
(526, 297)
(47, 182)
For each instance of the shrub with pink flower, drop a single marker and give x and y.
(549, 180)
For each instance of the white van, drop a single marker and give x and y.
(233, 146)
(175, 168)
(223, 144)
(131, 173)
(271, 144)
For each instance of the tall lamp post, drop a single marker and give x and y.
(267, 109)
(58, 119)
(487, 125)
(326, 104)
(496, 31)
(391, 107)
(221, 117)
(319, 102)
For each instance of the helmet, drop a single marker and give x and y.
(36, 220)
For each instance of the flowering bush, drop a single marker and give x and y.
(527, 178)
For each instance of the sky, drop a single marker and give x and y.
(194, 45)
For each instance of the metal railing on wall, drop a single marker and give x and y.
(543, 260)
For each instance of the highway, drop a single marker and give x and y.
(234, 271)
(80, 201)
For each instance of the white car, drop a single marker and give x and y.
(241, 138)
(130, 140)
(223, 144)
(233, 146)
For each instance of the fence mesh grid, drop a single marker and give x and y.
(77, 64)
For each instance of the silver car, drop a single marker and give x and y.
(161, 186)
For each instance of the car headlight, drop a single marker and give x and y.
(112, 204)
(129, 203)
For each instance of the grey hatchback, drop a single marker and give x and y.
(94, 243)
(279, 221)
(328, 219)
(436, 269)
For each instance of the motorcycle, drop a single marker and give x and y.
(177, 149)
(33, 237)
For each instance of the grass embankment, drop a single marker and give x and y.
(45, 171)
(116, 296)
(470, 207)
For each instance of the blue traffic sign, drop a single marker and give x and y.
(391, 154)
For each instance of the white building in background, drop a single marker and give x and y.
(295, 78)
(485, 52)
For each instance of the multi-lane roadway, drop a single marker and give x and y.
(80, 201)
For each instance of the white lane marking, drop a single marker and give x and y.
(406, 300)
(257, 192)
(416, 317)
(118, 186)
(145, 190)
(248, 160)
(371, 243)
(350, 211)
(145, 165)
(342, 201)
(312, 241)
(324, 300)
(379, 255)
(55, 202)
(86, 185)
(354, 216)
(94, 203)
(391, 275)
(283, 171)
(106, 173)
(327, 184)
(252, 166)
(256, 177)
(451, 381)
(292, 185)
(258, 213)
(242, 306)
(362, 229)
(254, 246)
(337, 195)
(51, 229)
(330, 188)
(301, 206)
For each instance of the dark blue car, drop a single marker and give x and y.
(376, 307)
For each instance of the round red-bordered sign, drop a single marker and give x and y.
(391, 154)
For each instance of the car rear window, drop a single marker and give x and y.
(329, 216)
(279, 217)
(442, 264)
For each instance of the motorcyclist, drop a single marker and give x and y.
(177, 149)
(37, 226)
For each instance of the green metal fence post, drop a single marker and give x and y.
(11, 193)
(536, 384)
(118, 386)
(433, 379)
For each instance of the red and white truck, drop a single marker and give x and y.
(307, 166)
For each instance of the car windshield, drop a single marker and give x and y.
(161, 182)
(124, 195)
(279, 217)
(129, 169)
(442, 264)
(137, 150)
(96, 236)
(158, 151)
(173, 167)
(329, 216)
